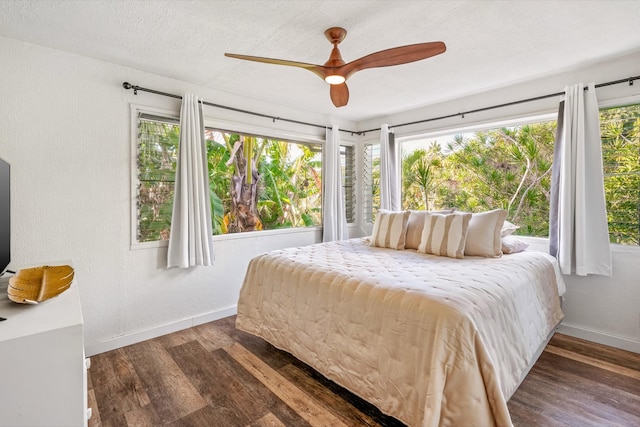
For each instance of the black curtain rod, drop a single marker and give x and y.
(508, 104)
(628, 80)
(135, 88)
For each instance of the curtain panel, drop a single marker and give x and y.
(578, 228)
(389, 171)
(191, 238)
(334, 219)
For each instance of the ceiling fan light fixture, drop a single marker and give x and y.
(336, 71)
(334, 79)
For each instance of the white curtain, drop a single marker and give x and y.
(389, 171)
(334, 219)
(191, 238)
(578, 230)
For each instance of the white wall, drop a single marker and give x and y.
(65, 129)
(600, 309)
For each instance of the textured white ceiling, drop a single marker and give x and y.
(489, 43)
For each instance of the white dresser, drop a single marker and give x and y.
(43, 380)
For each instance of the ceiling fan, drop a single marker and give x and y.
(335, 71)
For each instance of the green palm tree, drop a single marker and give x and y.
(419, 175)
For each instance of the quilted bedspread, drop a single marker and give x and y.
(432, 341)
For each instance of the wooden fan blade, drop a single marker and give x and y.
(319, 70)
(339, 94)
(394, 56)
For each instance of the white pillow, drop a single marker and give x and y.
(415, 224)
(483, 236)
(511, 245)
(508, 228)
(445, 235)
(390, 229)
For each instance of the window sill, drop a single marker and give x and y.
(234, 236)
(543, 242)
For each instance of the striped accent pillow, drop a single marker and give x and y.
(415, 224)
(445, 235)
(390, 229)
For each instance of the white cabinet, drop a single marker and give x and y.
(43, 380)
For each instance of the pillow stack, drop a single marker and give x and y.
(447, 233)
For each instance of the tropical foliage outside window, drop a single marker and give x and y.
(255, 183)
(510, 168)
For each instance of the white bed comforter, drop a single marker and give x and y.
(432, 341)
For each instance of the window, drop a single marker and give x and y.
(371, 181)
(348, 166)
(620, 129)
(282, 192)
(157, 152)
(510, 168)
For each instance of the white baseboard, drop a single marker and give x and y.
(600, 337)
(136, 337)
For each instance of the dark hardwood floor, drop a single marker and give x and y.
(214, 375)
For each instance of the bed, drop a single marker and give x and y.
(429, 340)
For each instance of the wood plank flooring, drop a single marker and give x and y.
(214, 375)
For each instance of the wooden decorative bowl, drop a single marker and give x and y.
(32, 285)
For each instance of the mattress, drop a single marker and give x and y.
(430, 340)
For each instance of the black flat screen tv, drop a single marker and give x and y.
(5, 216)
